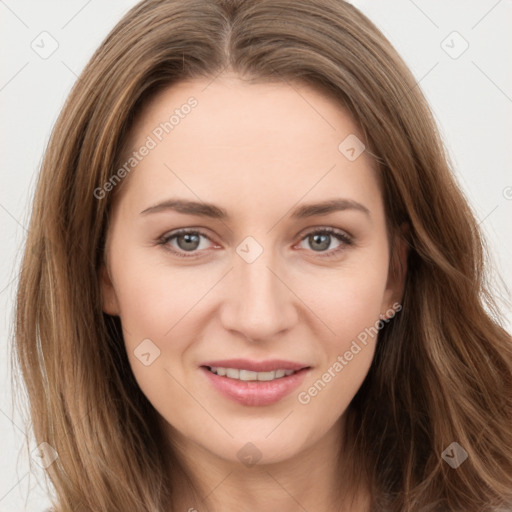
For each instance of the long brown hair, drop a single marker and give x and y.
(442, 371)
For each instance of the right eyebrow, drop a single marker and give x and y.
(188, 207)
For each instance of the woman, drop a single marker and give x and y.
(251, 281)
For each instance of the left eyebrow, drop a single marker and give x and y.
(216, 212)
(326, 207)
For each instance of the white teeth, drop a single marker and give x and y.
(248, 375)
(266, 375)
(232, 373)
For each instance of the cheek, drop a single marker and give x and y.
(168, 307)
(156, 308)
(153, 297)
(349, 305)
(348, 354)
(347, 299)
(359, 303)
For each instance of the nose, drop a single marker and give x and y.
(259, 304)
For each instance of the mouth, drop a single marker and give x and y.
(255, 383)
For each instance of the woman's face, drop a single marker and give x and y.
(261, 280)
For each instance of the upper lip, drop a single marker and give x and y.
(256, 366)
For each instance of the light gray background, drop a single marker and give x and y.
(471, 97)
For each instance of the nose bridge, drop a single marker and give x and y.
(260, 305)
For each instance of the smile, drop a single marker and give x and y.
(254, 388)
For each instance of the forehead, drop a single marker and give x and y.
(242, 114)
(279, 140)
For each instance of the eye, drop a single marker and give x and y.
(320, 241)
(184, 241)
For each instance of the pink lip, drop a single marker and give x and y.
(256, 366)
(256, 393)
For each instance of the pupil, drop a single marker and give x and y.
(318, 239)
(189, 239)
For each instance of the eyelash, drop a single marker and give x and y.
(341, 236)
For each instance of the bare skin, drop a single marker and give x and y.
(258, 151)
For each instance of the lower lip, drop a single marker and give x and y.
(256, 393)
